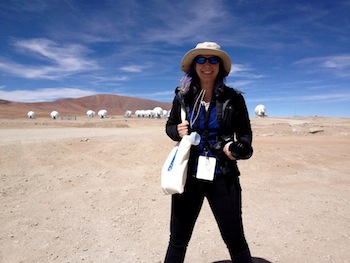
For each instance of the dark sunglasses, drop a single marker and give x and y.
(202, 60)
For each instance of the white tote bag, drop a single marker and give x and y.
(174, 171)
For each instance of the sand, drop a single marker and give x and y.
(88, 190)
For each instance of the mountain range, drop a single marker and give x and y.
(113, 104)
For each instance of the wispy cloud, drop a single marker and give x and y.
(325, 97)
(241, 84)
(158, 96)
(55, 60)
(241, 70)
(189, 17)
(337, 64)
(32, 6)
(47, 94)
(133, 69)
(98, 79)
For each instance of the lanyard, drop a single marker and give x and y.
(197, 105)
(197, 108)
(206, 129)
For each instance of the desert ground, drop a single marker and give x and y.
(88, 190)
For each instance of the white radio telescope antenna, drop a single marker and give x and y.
(260, 110)
(90, 113)
(158, 112)
(54, 114)
(102, 114)
(31, 114)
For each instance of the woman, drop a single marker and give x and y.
(219, 115)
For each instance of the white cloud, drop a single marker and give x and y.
(132, 69)
(56, 61)
(192, 22)
(340, 62)
(47, 94)
(325, 97)
(337, 64)
(110, 79)
(237, 68)
(241, 70)
(241, 84)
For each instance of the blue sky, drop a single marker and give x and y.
(291, 56)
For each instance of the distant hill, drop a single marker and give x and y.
(114, 104)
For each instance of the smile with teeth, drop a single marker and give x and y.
(207, 72)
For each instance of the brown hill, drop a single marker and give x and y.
(114, 104)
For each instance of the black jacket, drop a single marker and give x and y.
(232, 116)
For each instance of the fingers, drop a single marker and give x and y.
(182, 128)
(228, 152)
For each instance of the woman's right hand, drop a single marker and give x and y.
(182, 128)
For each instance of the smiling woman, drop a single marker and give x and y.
(212, 168)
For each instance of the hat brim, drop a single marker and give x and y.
(193, 53)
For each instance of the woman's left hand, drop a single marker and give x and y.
(228, 152)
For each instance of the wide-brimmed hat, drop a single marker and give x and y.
(206, 48)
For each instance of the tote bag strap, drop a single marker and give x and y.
(183, 114)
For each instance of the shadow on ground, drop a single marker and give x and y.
(254, 260)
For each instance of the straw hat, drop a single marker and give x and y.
(206, 48)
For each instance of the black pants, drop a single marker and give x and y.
(224, 197)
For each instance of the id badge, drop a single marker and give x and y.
(206, 168)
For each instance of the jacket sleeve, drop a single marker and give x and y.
(173, 120)
(236, 123)
(243, 146)
(243, 128)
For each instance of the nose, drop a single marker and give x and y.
(207, 63)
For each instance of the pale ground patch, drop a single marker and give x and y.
(88, 190)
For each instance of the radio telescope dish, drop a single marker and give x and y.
(260, 110)
(158, 112)
(54, 114)
(90, 113)
(102, 114)
(31, 114)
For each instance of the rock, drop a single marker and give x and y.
(314, 130)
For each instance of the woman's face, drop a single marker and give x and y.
(208, 71)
